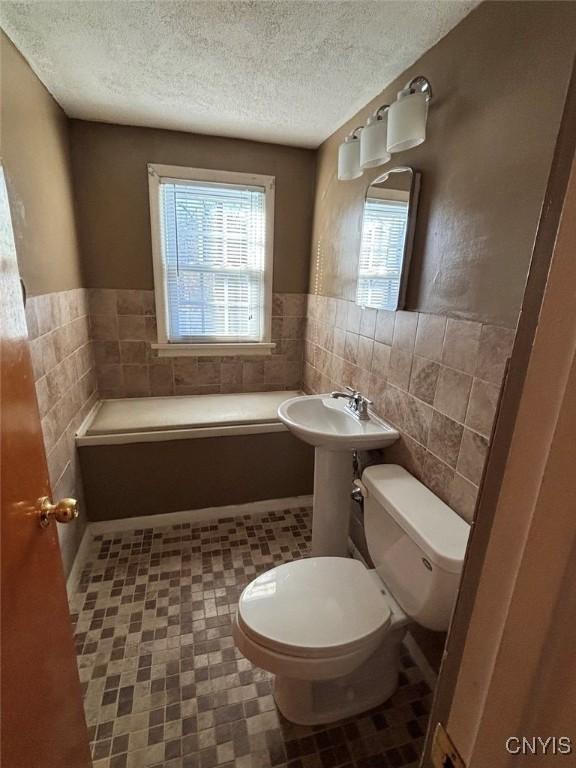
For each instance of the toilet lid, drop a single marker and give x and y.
(320, 606)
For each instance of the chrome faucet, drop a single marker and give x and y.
(357, 404)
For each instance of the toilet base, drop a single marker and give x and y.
(317, 702)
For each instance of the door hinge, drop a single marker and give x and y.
(444, 753)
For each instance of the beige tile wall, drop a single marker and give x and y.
(63, 364)
(123, 324)
(436, 379)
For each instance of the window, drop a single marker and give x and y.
(381, 252)
(212, 235)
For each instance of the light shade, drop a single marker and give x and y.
(373, 143)
(349, 159)
(407, 121)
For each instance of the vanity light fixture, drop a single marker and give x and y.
(407, 115)
(349, 156)
(392, 128)
(373, 141)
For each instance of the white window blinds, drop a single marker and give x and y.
(213, 251)
(381, 253)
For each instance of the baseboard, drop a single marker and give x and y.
(198, 515)
(79, 560)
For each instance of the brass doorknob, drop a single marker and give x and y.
(64, 512)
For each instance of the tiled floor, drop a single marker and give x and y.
(163, 682)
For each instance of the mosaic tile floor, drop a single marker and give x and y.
(163, 683)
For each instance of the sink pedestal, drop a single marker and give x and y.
(324, 422)
(331, 514)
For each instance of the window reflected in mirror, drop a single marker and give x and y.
(387, 233)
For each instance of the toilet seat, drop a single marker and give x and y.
(315, 608)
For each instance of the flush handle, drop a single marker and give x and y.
(65, 511)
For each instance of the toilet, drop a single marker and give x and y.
(330, 629)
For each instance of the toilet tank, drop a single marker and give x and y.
(417, 543)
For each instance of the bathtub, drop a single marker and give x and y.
(151, 455)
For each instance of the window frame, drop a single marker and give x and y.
(164, 346)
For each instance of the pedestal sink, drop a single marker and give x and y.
(324, 422)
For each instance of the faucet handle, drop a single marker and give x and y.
(352, 391)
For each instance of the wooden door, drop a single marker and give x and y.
(42, 718)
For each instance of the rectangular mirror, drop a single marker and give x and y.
(387, 235)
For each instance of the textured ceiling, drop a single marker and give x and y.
(285, 71)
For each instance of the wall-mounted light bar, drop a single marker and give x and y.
(391, 128)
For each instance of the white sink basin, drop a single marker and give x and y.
(323, 421)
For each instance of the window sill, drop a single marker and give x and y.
(178, 349)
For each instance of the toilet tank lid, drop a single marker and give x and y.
(433, 525)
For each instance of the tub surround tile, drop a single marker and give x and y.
(381, 360)
(163, 683)
(423, 379)
(341, 319)
(461, 342)
(161, 380)
(231, 375)
(365, 353)
(436, 379)
(131, 327)
(409, 454)
(384, 331)
(354, 318)
(31, 319)
(132, 352)
(482, 406)
(136, 380)
(494, 349)
(274, 371)
(253, 375)
(368, 322)
(462, 497)
(293, 327)
(351, 347)
(444, 438)
(208, 373)
(405, 324)
(400, 367)
(430, 336)
(37, 356)
(472, 456)
(106, 352)
(65, 379)
(417, 417)
(104, 327)
(438, 476)
(110, 379)
(129, 302)
(123, 325)
(44, 307)
(452, 393)
(102, 302)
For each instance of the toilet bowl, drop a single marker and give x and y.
(330, 629)
(330, 633)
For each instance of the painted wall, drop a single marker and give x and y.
(499, 81)
(35, 154)
(36, 157)
(435, 371)
(111, 185)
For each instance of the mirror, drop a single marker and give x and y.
(387, 234)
